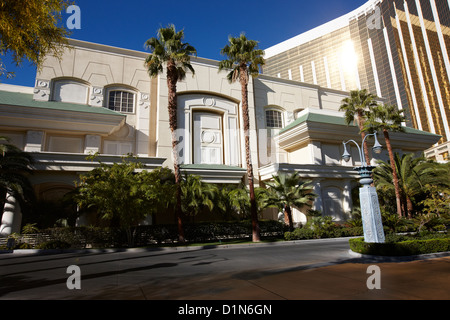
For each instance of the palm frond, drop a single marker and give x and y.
(241, 52)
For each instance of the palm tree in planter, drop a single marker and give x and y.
(244, 59)
(356, 108)
(169, 49)
(287, 191)
(387, 118)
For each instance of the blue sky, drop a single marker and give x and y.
(206, 23)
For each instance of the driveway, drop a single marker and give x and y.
(298, 270)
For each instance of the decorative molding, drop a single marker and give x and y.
(97, 97)
(144, 100)
(42, 90)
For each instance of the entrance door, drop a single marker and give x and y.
(208, 141)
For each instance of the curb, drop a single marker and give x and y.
(398, 258)
(179, 248)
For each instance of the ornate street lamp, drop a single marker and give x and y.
(370, 208)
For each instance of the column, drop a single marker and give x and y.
(12, 216)
(143, 125)
(316, 152)
(317, 205)
(347, 197)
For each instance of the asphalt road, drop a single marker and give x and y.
(102, 274)
(312, 269)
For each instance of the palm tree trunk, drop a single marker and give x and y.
(253, 210)
(288, 214)
(172, 79)
(409, 206)
(360, 122)
(394, 172)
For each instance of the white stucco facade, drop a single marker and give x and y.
(100, 99)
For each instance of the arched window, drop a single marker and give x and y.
(274, 119)
(121, 101)
(70, 90)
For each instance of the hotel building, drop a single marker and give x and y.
(100, 99)
(398, 50)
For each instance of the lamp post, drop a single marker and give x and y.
(370, 208)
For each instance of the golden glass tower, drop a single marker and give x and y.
(397, 49)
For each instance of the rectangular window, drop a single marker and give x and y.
(273, 119)
(121, 101)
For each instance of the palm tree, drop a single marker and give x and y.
(287, 191)
(240, 200)
(244, 59)
(169, 49)
(414, 173)
(356, 108)
(196, 195)
(387, 118)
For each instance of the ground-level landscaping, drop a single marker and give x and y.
(413, 242)
(404, 245)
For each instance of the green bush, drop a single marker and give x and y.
(95, 237)
(299, 234)
(54, 244)
(325, 230)
(401, 248)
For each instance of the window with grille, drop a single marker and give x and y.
(273, 119)
(121, 101)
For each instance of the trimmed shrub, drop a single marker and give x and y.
(336, 231)
(401, 248)
(299, 234)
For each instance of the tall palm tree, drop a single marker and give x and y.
(387, 118)
(356, 108)
(287, 191)
(169, 49)
(244, 59)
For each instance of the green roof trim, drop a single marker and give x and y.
(26, 100)
(211, 167)
(323, 118)
(315, 117)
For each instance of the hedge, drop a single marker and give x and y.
(336, 232)
(96, 237)
(402, 248)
